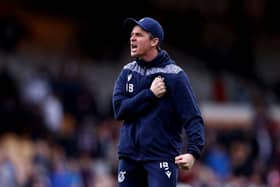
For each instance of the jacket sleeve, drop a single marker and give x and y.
(125, 107)
(189, 114)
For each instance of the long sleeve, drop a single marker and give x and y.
(126, 107)
(189, 114)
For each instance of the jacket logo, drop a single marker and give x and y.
(129, 76)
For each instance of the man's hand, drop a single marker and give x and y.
(185, 161)
(158, 87)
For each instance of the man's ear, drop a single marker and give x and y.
(155, 42)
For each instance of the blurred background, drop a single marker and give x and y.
(58, 63)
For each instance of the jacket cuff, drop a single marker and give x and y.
(194, 153)
(150, 94)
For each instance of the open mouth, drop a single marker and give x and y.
(133, 46)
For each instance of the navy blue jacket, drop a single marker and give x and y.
(152, 127)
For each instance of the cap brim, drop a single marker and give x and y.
(129, 23)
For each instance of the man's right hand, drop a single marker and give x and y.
(158, 87)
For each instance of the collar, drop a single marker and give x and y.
(160, 60)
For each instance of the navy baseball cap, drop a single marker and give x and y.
(148, 24)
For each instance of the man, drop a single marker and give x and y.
(154, 98)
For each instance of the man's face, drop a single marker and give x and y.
(140, 42)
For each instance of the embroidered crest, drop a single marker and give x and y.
(121, 176)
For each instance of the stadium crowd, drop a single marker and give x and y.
(56, 122)
(53, 134)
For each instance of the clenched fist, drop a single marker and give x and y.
(158, 87)
(185, 161)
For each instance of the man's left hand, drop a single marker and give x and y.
(185, 161)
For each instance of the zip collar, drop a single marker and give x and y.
(160, 60)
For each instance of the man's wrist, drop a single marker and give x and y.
(194, 154)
